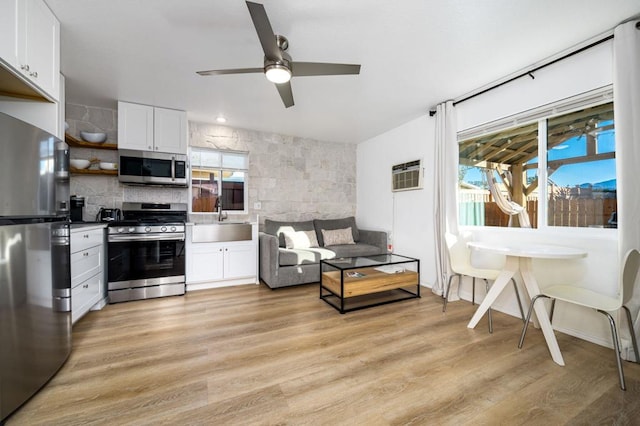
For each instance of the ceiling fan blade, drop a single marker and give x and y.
(231, 71)
(302, 69)
(264, 30)
(285, 93)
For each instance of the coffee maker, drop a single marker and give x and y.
(77, 208)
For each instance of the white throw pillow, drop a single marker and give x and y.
(335, 237)
(300, 239)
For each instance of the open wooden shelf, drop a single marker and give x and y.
(93, 171)
(77, 143)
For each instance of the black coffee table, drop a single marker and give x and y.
(352, 283)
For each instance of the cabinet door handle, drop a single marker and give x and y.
(34, 74)
(86, 235)
(24, 67)
(85, 286)
(85, 254)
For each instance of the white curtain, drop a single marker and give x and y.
(626, 95)
(446, 184)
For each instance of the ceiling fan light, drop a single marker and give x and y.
(277, 74)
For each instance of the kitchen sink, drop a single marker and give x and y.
(221, 232)
(230, 223)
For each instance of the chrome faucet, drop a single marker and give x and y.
(221, 215)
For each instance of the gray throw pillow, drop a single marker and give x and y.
(337, 237)
(330, 224)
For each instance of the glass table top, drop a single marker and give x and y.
(366, 261)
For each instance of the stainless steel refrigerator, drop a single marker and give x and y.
(35, 278)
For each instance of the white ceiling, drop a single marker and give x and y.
(414, 54)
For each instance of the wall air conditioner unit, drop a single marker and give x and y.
(407, 176)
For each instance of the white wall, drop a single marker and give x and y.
(407, 215)
(577, 74)
(413, 232)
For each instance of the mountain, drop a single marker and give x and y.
(607, 185)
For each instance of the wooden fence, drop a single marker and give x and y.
(561, 212)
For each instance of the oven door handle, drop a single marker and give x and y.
(146, 237)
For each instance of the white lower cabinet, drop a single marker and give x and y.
(221, 261)
(219, 264)
(87, 270)
(239, 260)
(205, 262)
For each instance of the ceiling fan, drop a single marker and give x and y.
(278, 66)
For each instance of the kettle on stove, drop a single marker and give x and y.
(108, 215)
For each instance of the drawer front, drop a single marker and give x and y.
(85, 295)
(82, 240)
(84, 264)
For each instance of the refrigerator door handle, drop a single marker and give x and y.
(61, 267)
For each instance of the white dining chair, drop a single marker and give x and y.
(460, 262)
(600, 302)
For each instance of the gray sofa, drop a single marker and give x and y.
(281, 266)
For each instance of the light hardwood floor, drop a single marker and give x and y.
(251, 355)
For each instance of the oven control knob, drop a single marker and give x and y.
(173, 229)
(163, 229)
(147, 229)
(132, 229)
(120, 230)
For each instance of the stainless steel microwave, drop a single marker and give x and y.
(152, 168)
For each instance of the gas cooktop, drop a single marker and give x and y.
(152, 213)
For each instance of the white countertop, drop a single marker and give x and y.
(226, 222)
(87, 226)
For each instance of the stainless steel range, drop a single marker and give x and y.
(147, 252)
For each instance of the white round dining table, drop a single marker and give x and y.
(519, 260)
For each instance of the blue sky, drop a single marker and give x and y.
(593, 172)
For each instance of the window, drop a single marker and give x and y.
(499, 172)
(497, 176)
(581, 169)
(218, 181)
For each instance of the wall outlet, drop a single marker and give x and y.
(257, 205)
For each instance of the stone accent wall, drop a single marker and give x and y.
(292, 178)
(92, 119)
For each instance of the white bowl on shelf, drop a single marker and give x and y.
(108, 166)
(93, 137)
(79, 163)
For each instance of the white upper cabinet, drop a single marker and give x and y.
(30, 44)
(170, 130)
(39, 46)
(135, 126)
(9, 32)
(149, 128)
